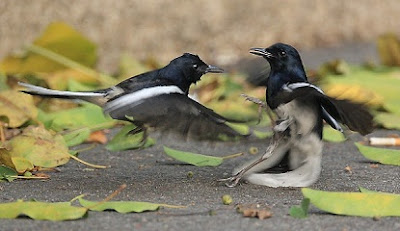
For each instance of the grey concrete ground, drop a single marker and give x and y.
(152, 176)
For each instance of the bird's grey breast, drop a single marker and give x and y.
(302, 117)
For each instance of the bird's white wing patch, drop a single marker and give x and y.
(293, 86)
(290, 87)
(138, 96)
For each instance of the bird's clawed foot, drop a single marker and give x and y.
(138, 130)
(233, 180)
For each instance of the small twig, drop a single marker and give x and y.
(86, 163)
(112, 195)
(232, 156)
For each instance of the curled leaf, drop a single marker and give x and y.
(16, 107)
(34, 147)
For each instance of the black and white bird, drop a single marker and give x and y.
(300, 108)
(157, 99)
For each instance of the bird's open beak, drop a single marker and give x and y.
(261, 52)
(214, 69)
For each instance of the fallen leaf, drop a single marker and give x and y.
(262, 212)
(389, 49)
(381, 155)
(34, 147)
(97, 137)
(355, 203)
(87, 115)
(388, 120)
(332, 135)
(195, 159)
(60, 38)
(348, 169)
(7, 173)
(76, 136)
(123, 206)
(124, 141)
(300, 211)
(17, 107)
(374, 165)
(58, 211)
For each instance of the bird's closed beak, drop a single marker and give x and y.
(261, 52)
(214, 69)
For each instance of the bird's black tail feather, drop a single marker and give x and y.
(355, 116)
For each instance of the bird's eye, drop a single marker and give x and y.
(195, 66)
(283, 54)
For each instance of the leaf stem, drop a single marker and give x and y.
(103, 78)
(86, 163)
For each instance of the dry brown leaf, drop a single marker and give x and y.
(374, 165)
(348, 169)
(97, 137)
(261, 212)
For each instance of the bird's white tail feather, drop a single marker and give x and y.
(97, 98)
(49, 92)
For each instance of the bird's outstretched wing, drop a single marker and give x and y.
(355, 116)
(176, 112)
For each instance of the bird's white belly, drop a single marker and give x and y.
(301, 119)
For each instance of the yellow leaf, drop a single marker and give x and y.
(17, 107)
(59, 38)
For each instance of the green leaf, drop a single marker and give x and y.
(387, 120)
(85, 116)
(122, 206)
(262, 135)
(77, 136)
(376, 87)
(59, 211)
(193, 158)
(300, 211)
(123, 140)
(364, 190)
(355, 203)
(17, 107)
(7, 173)
(34, 147)
(332, 135)
(381, 155)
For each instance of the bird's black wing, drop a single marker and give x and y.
(355, 116)
(177, 112)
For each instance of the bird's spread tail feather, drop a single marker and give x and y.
(93, 97)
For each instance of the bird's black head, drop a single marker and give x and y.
(192, 67)
(283, 58)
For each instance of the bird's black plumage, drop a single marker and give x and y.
(301, 108)
(158, 98)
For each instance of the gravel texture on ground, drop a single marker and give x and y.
(152, 176)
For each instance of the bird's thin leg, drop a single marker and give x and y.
(139, 129)
(261, 104)
(234, 180)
